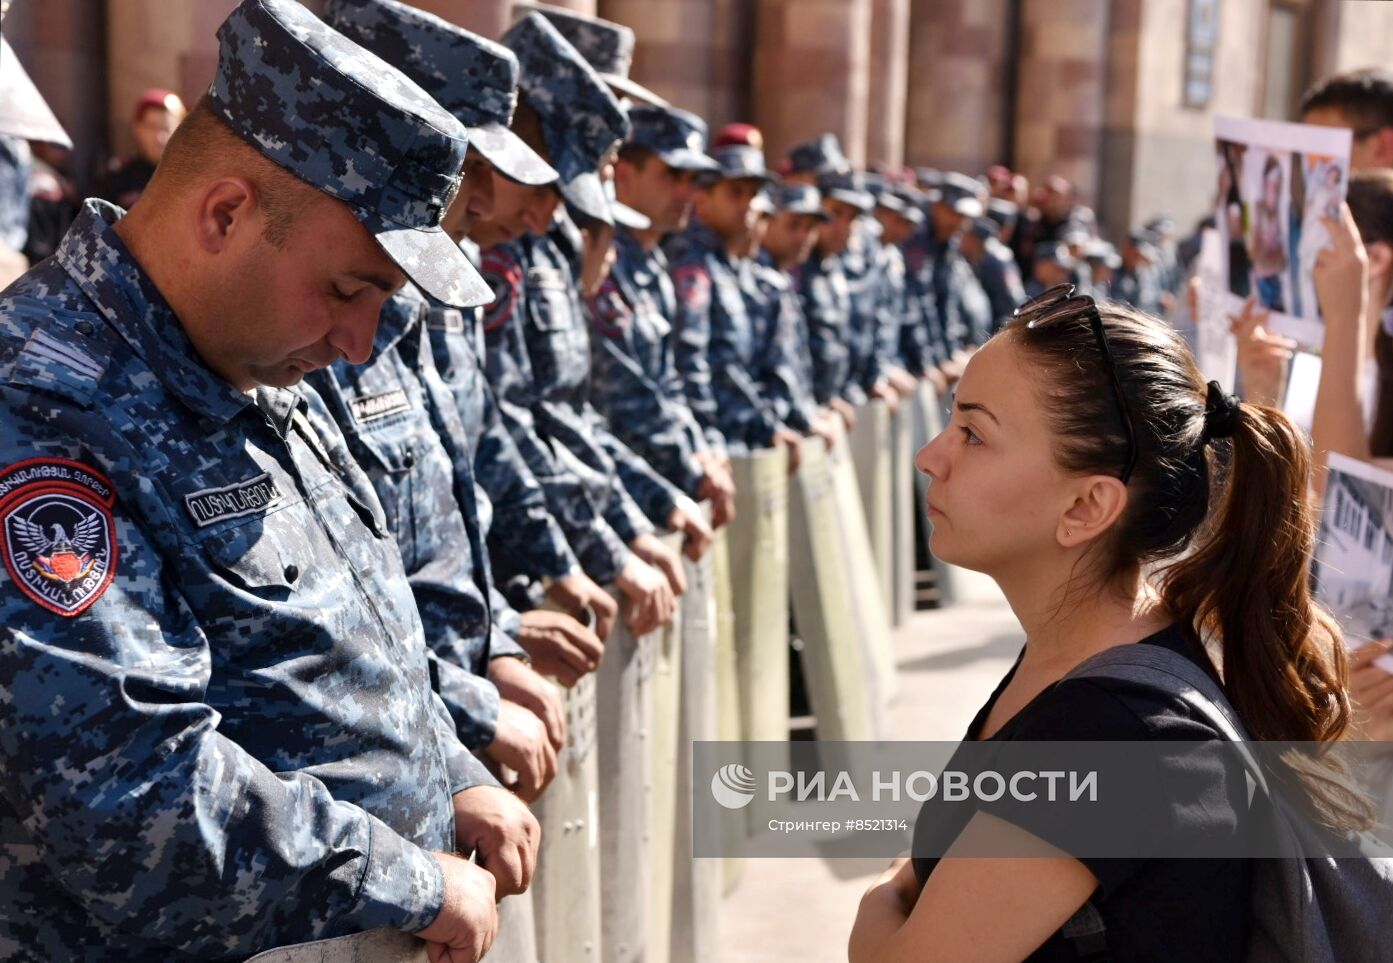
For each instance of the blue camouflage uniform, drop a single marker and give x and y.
(538, 350)
(389, 410)
(783, 368)
(997, 271)
(476, 80)
(400, 417)
(219, 730)
(923, 342)
(635, 382)
(826, 298)
(16, 162)
(963, 307)
(715, 331)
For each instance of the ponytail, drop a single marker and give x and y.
(1247, 583)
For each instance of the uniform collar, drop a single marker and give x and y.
(403, 311)
(703, 238)
(103, 267)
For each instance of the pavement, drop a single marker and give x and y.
(949, 661)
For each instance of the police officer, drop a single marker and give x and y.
(220, 733)
(479, 86)
(787, 244)
(635, 380)
(823, 288)
(538, 348)
(158, 113)
(995, 266)
(963, 307)
(901, 323)
(403, 423)
(789, 219)
(713, 320)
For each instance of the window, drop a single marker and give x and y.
(1201, 46)
(1287, 66)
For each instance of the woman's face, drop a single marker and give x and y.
(996, 495)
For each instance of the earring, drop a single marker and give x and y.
(1068, 533)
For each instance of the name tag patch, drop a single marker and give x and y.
(372, 407)
(232, 501)
(57, 536)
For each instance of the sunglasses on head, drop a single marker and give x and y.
(1059, 304)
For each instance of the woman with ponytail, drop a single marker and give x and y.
(1117, 498)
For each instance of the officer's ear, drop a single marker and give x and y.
(225, 212)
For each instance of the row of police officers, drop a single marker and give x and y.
(363, 424)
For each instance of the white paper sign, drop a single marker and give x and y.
(1274, 181)
(1353, 567)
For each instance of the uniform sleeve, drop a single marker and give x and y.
(599, 550)
(692, 328)
(654, 494)
(132, 799)
(826, 339)
(471, 701)
(524, 527)
(507, 623)
(743, 415)
(638, 409)
(779, 362)
(890, 312)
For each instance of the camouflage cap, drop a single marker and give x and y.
(740, 162)
(1002, 211)
(849, 187)
(895, 197)
(676, 137)
(473, 78)
(799, 199)
(984, 227)
(23, 111)
(962, 193)
(350, 124)
(582, 121)
(821, 155)
(762, 204)
(607, 46)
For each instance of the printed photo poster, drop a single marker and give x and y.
(1273, 183)
(1353, 567)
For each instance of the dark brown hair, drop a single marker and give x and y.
(1227, 524)
(1364, 97)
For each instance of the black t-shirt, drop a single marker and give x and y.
(1153, 909)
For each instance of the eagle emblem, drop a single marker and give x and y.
(58, 557)
(57, 535)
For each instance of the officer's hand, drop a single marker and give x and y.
(520, 742)
(886, 393)
(651, 549)
(649, 595)
(559, 645)
(722, 511)
(937, 378)
(901, 380)
(578, 592)
(847, 411)
(825, 427)
(467, 923)
(697, 533)
(791, 440)
(519, 682)
(497, 826)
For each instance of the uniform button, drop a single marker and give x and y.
(292, 572)
(85, 327)
(409, 460)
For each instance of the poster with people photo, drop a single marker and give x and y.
(1353, 567)
(1274, 183)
